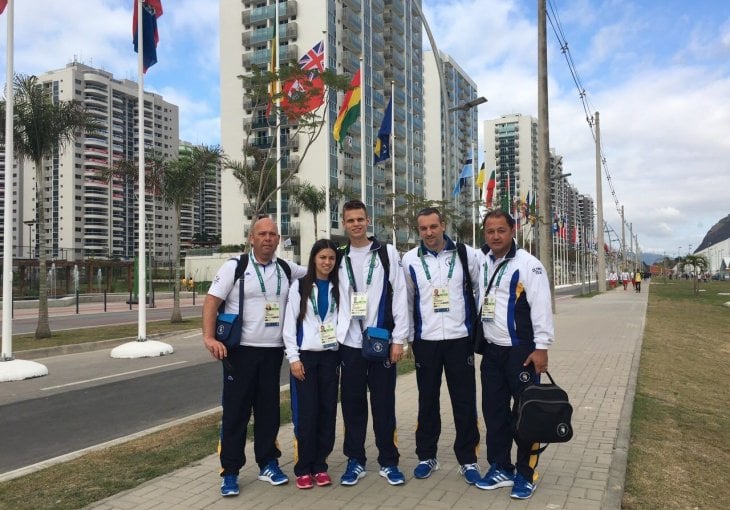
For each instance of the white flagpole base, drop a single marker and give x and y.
(142, 349)
(18, 370)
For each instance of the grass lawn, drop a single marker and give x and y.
(679, 454)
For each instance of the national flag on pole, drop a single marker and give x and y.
(273, 86)
(466, 172)
(382, 144)
(349, 111)
(3, 5)
(481, 177)
(151, 10)
(491, 184)
(304, 94)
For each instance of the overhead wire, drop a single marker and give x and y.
(555, 24)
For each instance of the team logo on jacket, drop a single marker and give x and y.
(537, 270)
(524, 377)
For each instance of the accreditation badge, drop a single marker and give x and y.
(272, 317)
(488, 308)
(441, 299)
(359, 305)
(327, 335)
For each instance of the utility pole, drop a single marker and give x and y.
(543, 150)
(599, 212)
(623, 239)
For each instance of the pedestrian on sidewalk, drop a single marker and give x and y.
(516, 316)
(625, 279)
(251, 370)
(637, 281)
(373, 299)
(310, 340)
(612, 279)
(440, 277)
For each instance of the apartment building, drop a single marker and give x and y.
(87, 214)
(387, 34)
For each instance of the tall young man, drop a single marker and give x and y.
(516, 314)
(251, 371)
(369, 297)
(440, 278)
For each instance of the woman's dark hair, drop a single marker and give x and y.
(306, 283)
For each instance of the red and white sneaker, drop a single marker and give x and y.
(322, 479)
(305, 482)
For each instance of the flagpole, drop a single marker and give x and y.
(474, 167)
(327, 185)
(141, 229)
(7, 331)
(391, 150)
(363, 176)
(275, 49)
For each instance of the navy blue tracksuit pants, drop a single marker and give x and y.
(357, 376)
(314, 410)
(503, 380)
(456, 358)
(252, 386)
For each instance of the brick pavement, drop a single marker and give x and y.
(595, 358)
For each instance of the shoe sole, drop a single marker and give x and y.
(272, 482)
(391, 482)
(349, 483)
(514, 496)
(229, 494)
(304, 487)
(499, 485)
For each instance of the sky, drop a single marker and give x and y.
(658, 71)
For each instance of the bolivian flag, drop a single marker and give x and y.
(349, 111)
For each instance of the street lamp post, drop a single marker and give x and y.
(30, 224)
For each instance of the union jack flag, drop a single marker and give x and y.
(313, 59)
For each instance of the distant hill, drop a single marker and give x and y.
(650, 258)
(719, 232)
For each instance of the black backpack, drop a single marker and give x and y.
(543, 415)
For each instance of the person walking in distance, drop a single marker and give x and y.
(517, 321)
(440, 276)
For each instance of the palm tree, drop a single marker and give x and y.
(180, 180)
(699, 265)
(42, 128)
(310, 199)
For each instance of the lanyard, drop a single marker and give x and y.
(351, 277)
(315, 309)
(261, 279)
(501, 268)
(428, 273)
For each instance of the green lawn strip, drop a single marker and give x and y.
(96, 333)
(680, 430)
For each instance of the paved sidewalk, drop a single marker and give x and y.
(595, 358)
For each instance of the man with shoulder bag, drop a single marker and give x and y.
(516, 317)
(251, 369)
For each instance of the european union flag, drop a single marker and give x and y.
(382, 144)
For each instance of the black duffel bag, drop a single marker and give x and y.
(544, 414)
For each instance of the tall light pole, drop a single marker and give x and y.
(599, 212)
(543, 148)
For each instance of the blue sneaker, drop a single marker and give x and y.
(353, 473)
(393, 475)
(425, 468)
(229, 486)
(496, 478)
(471, 473)
(272, 473)
(522, 489)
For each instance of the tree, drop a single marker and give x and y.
(406, 213)
(311, 199)
(42, 128)
(180, 180)
(696, 265)
(257, 173)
